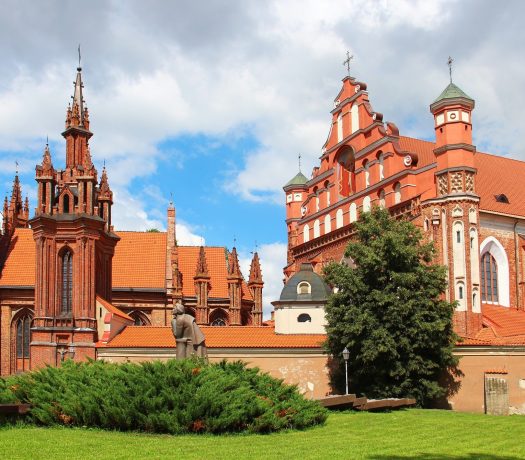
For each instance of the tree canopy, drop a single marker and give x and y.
(390, 313)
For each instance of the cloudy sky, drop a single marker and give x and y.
(212, 101)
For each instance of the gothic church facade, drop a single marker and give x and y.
(69, 282)
(469, 203)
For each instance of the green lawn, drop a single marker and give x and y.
(420, 434)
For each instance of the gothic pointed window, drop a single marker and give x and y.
(218, 318)
(23, 333)
(489, 278)
(67, 283)
(345, 159)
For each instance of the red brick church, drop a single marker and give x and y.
(69, 282)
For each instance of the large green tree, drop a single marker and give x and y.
(389, 312)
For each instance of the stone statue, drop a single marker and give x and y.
(188, 335)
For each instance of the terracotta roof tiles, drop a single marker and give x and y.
(19, 269)
(140, 260)
(216, 337)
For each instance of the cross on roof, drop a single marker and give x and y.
(347, 61)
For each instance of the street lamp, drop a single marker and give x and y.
(346, 355)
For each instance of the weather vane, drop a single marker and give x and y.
(16, 163)
(79, 55)
(299, 162)
(346, 63)
(449, 62)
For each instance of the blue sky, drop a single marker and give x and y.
(213, 101)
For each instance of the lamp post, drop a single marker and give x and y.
(346, 355)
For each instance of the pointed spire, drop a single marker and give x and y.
(87, 163)
(78, 100)
(16, 194)
(255, 270)
(26, 205)
(105, 191)
(5, 216)
(47, 164)
(233, 264)
(202, 266)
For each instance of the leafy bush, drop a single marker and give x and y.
(172, 397)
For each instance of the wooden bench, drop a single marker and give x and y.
(14, 409)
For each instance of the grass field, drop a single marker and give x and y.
(417, 434)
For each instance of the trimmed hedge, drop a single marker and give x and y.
(177, 396)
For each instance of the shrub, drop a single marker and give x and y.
(172, 397)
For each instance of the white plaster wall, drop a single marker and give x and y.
(286, 320)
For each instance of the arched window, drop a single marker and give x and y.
(489, 278)
(327, 224)
(317, 228)
(366, 167)
(304, 288)
(345, 159)
(397, 193)
(306, 233)
(66, 305)
(23, 336)
(354, 114)
(340, 127)
(218, 318)
(139, 318)
(366, 204)
(495, 288)
(21, 332)
(65, 203)
(304, 318)
(382, 200)
(339, 218)
(381, 160)
(353, 212)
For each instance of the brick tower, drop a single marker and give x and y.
(455, 211)
(74, 246)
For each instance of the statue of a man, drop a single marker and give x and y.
(188, 335)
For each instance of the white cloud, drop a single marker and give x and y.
(272, 68)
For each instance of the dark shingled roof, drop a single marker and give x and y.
(299, 179)
(320, 290)
(452, 92)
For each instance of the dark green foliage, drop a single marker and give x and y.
(173, 397)
(389, 312)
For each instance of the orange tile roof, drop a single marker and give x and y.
(424, 150)
(140, 260)
(503, 326)
(112, 309)
(216, 337)
(19, 269)
(496, 175)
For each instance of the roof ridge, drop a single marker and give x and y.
(416, 139)
(503, 157)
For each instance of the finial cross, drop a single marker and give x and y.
(79, 57)
(449, 62)
(346, 62)
(16, 163)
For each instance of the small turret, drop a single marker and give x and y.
(255, 284)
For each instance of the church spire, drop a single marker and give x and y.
(255, 270)
(77, 132)
(77, 106)
(234, 271)
(202, 267)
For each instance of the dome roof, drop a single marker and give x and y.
(452, 92)
(319, 290)
(299, 179)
